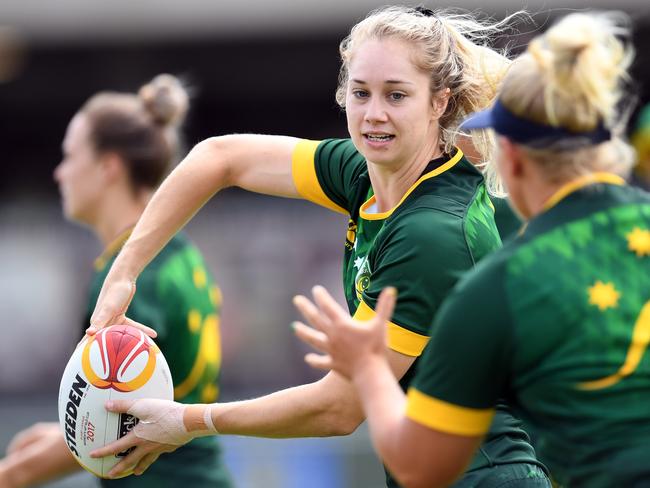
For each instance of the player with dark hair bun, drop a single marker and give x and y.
(117, 149)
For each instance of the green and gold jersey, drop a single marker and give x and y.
(442, 226)
(177, 297)
(557, 323)
(508, 222)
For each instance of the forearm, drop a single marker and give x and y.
(192, 183)
(314, 410)
(257, 163)
(384, 405)
(47, 459)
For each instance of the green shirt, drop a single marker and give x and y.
(177, 297)
(557, 323)
(439, 230)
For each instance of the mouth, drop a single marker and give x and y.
(378, 137)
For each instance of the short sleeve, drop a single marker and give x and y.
(423, 255)
(466, 365)
(327, 172)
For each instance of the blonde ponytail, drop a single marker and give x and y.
(572, 77)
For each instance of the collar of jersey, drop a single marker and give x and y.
(581, 182)
(431, 174)
(112, 249)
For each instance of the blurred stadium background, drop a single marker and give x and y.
(261, 66)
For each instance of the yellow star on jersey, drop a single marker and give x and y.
(638, 241)
(603, 295)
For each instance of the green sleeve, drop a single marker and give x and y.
(468, 359)
(338, 167)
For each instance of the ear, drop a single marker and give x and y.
(511, 160)
(439, 102)
(113, 165)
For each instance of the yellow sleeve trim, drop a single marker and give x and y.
(447, 417)
(303, 170)
(399, 339)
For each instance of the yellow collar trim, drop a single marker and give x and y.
(112, 249)
(581, 182)
(431, 174)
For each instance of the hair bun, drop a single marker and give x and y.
(165, 99)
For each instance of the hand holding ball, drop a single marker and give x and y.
(118, 363)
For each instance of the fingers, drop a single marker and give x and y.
(147, 330)
(386, 304)
(22, 440)
(120, 445)
(93, 329)
(310, 312)
(120, 406)
(319, 361)
(145, 462)
(332, 310)
(127, 464)
(312, 337)
(97, 325)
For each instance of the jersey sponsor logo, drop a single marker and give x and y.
(362, 280)
(351, 235)
(122, 367)
(77, 390)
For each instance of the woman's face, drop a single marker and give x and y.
(391, 117)
(80, 176)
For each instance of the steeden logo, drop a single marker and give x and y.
(119, 357)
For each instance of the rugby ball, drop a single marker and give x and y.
(118, 363)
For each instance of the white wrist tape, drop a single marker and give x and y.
(160, 421)
(207, 419)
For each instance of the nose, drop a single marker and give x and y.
(56, 174)
(375, 111)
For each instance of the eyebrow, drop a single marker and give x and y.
(389, 82)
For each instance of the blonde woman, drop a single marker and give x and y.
(419, 214)
(558, 321)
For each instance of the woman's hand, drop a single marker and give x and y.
(347, 344)
(163, 426)
(32, 435)
(113, 301)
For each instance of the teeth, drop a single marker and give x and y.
(374, 137)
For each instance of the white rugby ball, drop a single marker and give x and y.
(118, 363)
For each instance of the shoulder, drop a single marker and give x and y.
(342, 149)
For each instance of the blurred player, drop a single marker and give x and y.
(116, 151)
(558, 321)
(419, 215)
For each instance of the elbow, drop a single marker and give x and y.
(429, 476)
(343, 424)
(341, 418)
(215, 152)
(414, 480)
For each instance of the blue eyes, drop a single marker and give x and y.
(393, 96)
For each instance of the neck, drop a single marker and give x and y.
(391, 183)
(546, 194)
(117, 214)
